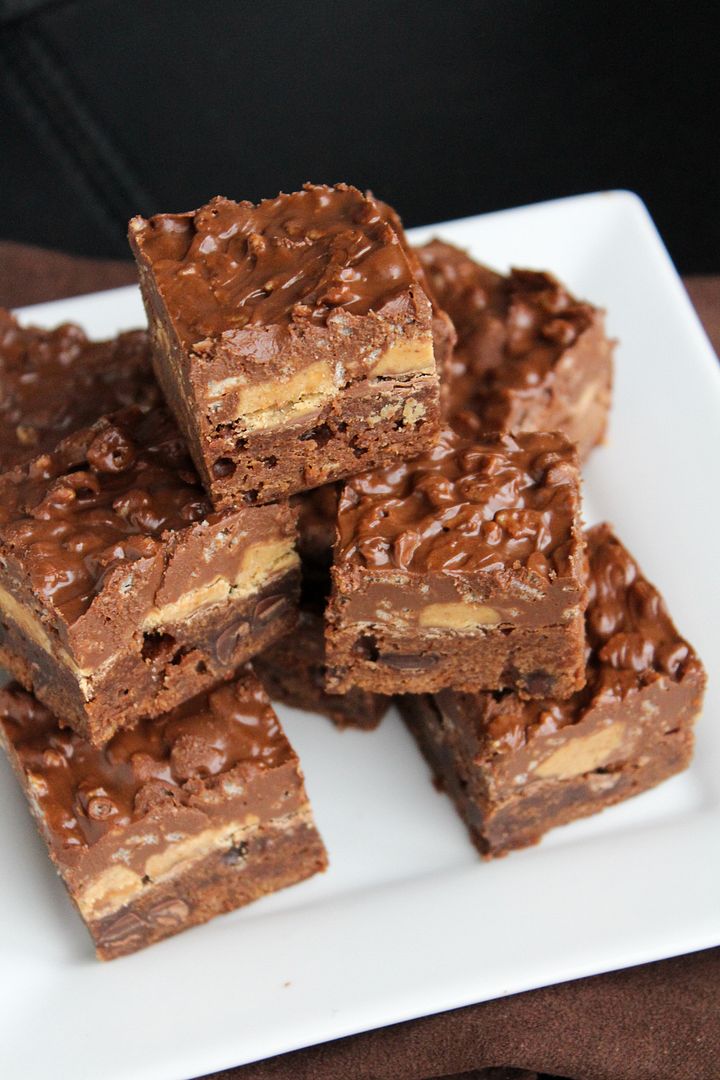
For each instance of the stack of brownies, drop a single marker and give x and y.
(358, 468)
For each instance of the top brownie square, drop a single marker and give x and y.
(529, 355)
(462, 568)
(292, 339)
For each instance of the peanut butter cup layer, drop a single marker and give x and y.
(121, 592)
(292, 338)
(186, 816)
(463, 568)
(516, 768)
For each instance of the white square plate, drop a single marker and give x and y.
(408, 920)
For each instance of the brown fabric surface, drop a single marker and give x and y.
(704, 291)
(656, 1022)
(30, 275)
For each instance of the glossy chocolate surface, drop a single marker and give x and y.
(188, 757)
(292, 259)
(55, 381)
(511, 330)
(632, 643)
(497, 503)
(72, 515)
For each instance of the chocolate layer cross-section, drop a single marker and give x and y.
(462, 568)
(121, 592)
(292, 339)
(529, 356)
(517, 768)
(55, 381)
(183, 817)
(443, 330)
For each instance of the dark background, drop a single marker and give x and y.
(110, 107)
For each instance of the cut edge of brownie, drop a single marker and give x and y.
(188, 816)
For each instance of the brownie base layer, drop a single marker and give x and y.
(271, 859)
(162, 668)
(523, 820)
(293, 671)
(361, 429)
(536, 662)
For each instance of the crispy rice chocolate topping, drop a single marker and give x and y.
(99, 499)
(291, 259)
(497, 502)
(55, 381)
(511, 330)
(181, 759)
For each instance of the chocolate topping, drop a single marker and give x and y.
(287, 260)
(511, 330)
(498, 502)
(98, 500)
(632, 643)
(181, 759)
(55, 381)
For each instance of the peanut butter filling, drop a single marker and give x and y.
(259, 564)
(260, 406)
(405, 356)
(458, 616)
(25, 620)
(581, 755)
(33, 628)
(118, 886)
(251, 401)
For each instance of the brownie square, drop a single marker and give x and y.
(529, 356)
(183, 817)
(291, 338)
(121, 592)
(517, 768)
(55, 381)
(462, 568)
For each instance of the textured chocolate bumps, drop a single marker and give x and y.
(517, 768)
(529, 356)
(55, 381)
(462, 568)
(121, 592)
(184, 817)
(292, 339)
